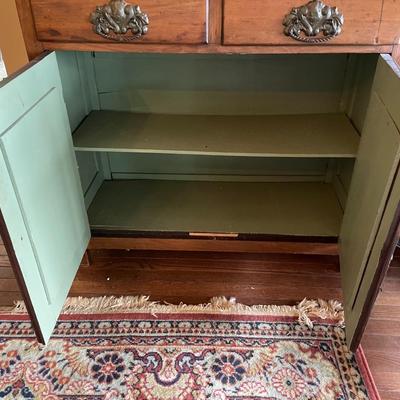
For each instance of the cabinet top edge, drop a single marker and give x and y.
(215, 49)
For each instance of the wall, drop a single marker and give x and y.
(11, 41)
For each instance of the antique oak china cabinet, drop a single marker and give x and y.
(216, 125)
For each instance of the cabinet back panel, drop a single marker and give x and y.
(233, 168)
(220, 84)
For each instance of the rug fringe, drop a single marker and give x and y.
(304, 311)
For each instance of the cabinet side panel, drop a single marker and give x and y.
(80, 96)
(74, 93)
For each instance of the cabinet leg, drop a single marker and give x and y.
(86, 259)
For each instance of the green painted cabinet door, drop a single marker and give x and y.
(373, 197)
(41, 198)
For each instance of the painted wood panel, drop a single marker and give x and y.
(220, 84)
(364, 228)
(354, 313)
(374, 170)
(261, 22)
(80, 96)
(171, 21)
(75, 94)
(362, 80)
(41, 198)
(184, 167)
(313, 135)
(309, 209)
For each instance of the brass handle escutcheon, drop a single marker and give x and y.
(314, 22)
(117, 20)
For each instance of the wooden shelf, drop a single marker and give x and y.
(307, 209)
(305, 135)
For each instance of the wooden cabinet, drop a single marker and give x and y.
(176, 150)
(250, 149)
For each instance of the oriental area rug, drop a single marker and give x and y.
(131, 348)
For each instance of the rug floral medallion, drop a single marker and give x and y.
(179, 356)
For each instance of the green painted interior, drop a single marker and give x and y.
(220, 84)
(361, 71)
(167, 166)
(374, 192)
(193, 206)
(373, 174)
(76, 72)
(41, 198)
(219, 117)
(306, 135)
(75, 96)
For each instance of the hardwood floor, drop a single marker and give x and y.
(381, 341)
(252, 279)
(9, 291)
(196, 277)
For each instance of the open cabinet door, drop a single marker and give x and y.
(43, 218)
(369, 228)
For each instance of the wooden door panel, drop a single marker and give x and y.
(260, 23)
(373, 193)
(170, 21)
(41, 199)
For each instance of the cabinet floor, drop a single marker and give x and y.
(252, 279)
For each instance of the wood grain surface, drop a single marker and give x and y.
(171, 21)
(261, 23)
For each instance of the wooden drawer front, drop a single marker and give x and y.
(170, 21)
(260, 23)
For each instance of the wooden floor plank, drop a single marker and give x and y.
(391, 343)
(196, 280)
(4, 261)
(381, 341)
(386, 312)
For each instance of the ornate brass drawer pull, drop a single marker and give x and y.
(313, 22)
(115, 19)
